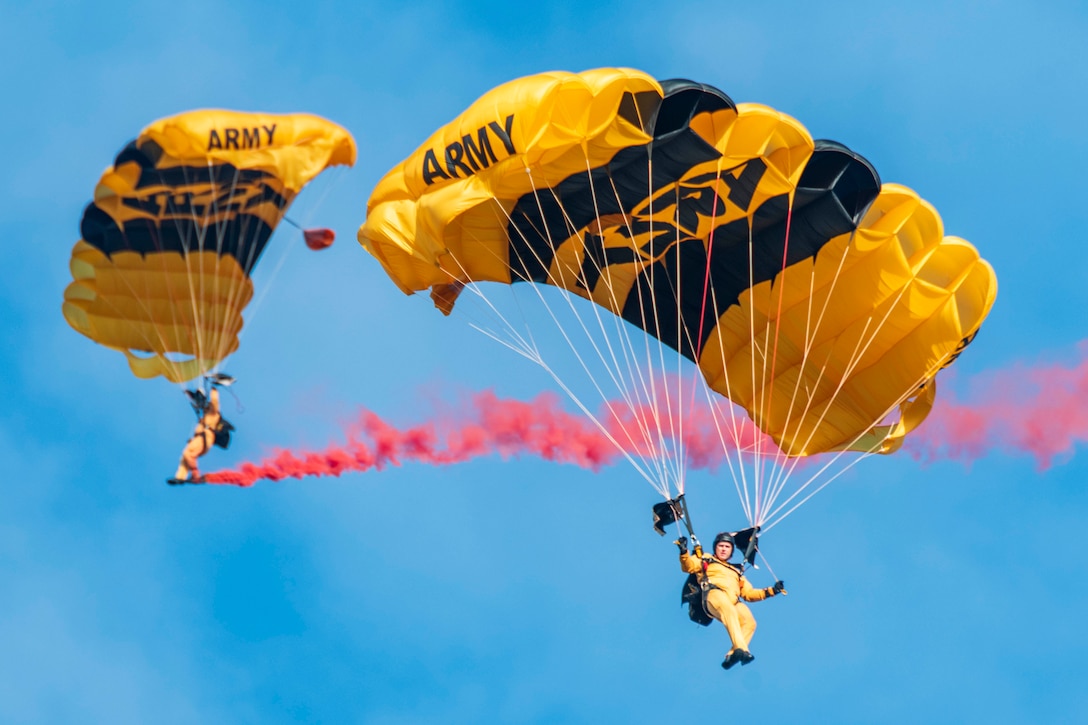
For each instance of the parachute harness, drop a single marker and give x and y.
(199, 399)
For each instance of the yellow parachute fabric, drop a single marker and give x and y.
(447, 203)
(176, 226)
(819, 300)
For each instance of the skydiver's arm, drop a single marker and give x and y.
(213, 402)
(690, 564)
(750, 594)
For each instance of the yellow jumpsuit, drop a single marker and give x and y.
(203, 439)
(723, 600)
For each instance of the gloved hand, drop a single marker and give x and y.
(682, 542)
(197, 398)
(779, 587)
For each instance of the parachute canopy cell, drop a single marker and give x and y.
(817, 298)
(177, 225)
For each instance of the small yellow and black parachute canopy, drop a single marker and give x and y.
(177, 225)
(817, 298)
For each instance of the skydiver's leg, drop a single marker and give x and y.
(188, 459)
(725, 612)
(207, 439)
(747, 622)
(196, 447)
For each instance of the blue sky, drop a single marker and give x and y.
(516, 591)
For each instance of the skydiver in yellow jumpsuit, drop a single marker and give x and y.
(725, 586)
(211, 429)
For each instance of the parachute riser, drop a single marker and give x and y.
(673, 510)
(685, 517)
(199, 396)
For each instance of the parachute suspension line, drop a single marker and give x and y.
(206, 340)
(737, 426)
(765, 562)
(211, 344)
(697, 346)
(663, 388)
(819, 420)
(757, 463)
(706, 277)
(784, 467)
(811, 331)
(532, 354)
(331, 177)
(242, 284)
(640, 384)
(827, 465)
(248, 266)
(737, 473)
(236, 286)
(808, 345)
(642, 390)
(527, 348)
(638, 378)
(196, 277)
(522, 345)
(659, 461)
(787, 466)
(620, 327)
(740, 478)
(145, 306)
(821, 487)
(660, 388)
(332, 174)
(686, 518)
(651, 382)
(673, 411)
(749, 487)
(860, 348)
(680, 330)
(627, 385)
(864, 454)
(854, 360)
(767, 402)
(185, 239)
(574, 349)
(255, 306)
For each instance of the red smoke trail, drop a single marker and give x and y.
(488, 426)
(1033, 410)
(1039, 410)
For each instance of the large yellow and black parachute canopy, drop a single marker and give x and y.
(177, 224)
(808, 292)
